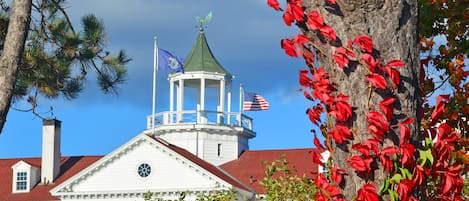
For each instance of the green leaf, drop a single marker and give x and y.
(428, 142)
(406, 173)
(426, 155)
(397, 178)
(384, 187)
(394, 195)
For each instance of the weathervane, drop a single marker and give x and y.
(204, 20)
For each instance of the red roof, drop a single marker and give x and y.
(205, 165)
(72, 165)
(249, 168)
(243, 173)
(69, 166)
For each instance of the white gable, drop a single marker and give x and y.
(117, 172)
(21, 165)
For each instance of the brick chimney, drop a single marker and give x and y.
(50, 167)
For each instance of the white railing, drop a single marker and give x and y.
(236, 119)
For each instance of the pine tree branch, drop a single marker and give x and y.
(62, 10)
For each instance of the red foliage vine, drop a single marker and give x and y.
(409, 168)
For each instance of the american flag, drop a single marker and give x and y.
(254, 102)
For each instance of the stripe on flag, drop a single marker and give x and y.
(254, 102)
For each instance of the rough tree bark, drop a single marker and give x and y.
(392, 24)
(11, 55)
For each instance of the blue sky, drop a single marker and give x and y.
(244, 36)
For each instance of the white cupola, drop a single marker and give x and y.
(206, 127)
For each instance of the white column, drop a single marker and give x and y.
(171, 100)
(180, 99)
(228, 110)
(202, 101)
(202, 94)
(221, 101)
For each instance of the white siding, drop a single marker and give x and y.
(204, 144)
(166, 173)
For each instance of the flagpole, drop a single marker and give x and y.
(155, 67)
(241, 93)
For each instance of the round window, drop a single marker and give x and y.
(144, 170)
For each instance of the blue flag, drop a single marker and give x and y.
(167, 61)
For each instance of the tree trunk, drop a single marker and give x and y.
(18, 28)
(392, 25)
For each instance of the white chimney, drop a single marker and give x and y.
(50, 167)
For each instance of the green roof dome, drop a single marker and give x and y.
(201, 58)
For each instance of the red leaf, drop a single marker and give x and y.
(317, 158)
(404, 188)
(372, 144)
(365, 150)
(340, 57)
(294, 11)
(321, 181)
(367, 193)
(340, 133)
(308, 95)
(444, 130)
(333, 190)
(404, 130)
(289, 47)
(328, 32)
(314, 114)
(349, 44)
(439, 107)
(342, 98)
(407, 121)
(396, 62)
(288, 18)
(364, 42)
(453, 179)
(407, 152)
(377, 80)
(419, 175)
(342, 111)
(301, 39)
(377, 125)
(360, 164)
(394, 75)
(315, 20)
(385, 160)
(305, 80)
(323, 96)
(389, 150)
(317, 143)
(370, 61)
(274, 4)
(386, 107)
(376, 132)
(337, 174)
